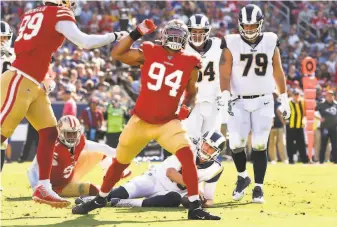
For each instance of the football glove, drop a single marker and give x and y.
(146, 27)
(285, 108)
(223, 100)
(48, 85)
(120, 35)
(184, 112)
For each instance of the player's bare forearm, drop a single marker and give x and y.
(279, 76)
(191, 89)
(225, 69)
(124, 53)
(175, 176)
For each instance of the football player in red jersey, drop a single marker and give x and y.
(167, 73)
(74, 157)
(41, 33)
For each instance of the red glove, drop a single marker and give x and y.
(146, 27)
(184, 112)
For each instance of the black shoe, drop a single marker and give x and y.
(83, 199)
(195, 212)
(86, 207)
(21, 160)
(258, 195)
(241, 185)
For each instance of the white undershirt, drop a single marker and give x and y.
(70, 30)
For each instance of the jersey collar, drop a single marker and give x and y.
(206, 48)
(255, 43)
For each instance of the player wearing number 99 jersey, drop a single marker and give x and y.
(42, 31)
(167, 72)
(250, 66)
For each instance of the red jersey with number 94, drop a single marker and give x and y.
(38, 39)
(163, 79)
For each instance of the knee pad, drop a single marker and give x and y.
(174, 198)
(238, 150)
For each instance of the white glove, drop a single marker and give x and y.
(120, 35)
(285, 108)
(223, 100)
(48, 84)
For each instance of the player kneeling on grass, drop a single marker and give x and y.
(74, 156)
(163, 185)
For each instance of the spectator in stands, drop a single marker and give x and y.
(92, 120)
(116, 116)
(295, 129)
(306, 14)
(293, 37)
(70, 106)
(327, 113)
(320, 20)
(276, 142)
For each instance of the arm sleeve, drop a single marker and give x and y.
(223, 43)
(72, 33)
(91, 146)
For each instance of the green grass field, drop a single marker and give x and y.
(298, 195)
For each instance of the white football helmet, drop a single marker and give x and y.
(210, 145)
(71, 4)
(69, 128)
(5, 31)
(251, 14)
(199, 21)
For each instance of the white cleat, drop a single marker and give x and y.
(241, 185)
(257, 195)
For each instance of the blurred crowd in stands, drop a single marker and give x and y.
(87, 75)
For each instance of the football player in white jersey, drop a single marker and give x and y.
(250, 66)
(7, 57)
(163, 186)
(206, 115)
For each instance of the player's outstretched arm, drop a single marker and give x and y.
(123, 51)
(191, 89)
(91, 146)
(278, 72)
(70, 30)
(175, 176)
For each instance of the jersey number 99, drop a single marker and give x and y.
(30, 26)
(157, 72)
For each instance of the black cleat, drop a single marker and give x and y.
(195, 212)
(240, 188)
(86, 207)
(258, 195)
(83, 199)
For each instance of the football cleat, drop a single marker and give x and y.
(46, 195)
(195, 212)
(241, 185)
(258, 195)
(83, 199)
(86, 207)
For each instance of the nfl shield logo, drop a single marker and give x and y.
(169, 57)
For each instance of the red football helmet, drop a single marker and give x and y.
(175, 35)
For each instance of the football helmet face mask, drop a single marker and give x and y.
(71, 4)
(69, 130)
(175, 35)
(210, 146)
(199, 28)
(250, 15)
(6, 35)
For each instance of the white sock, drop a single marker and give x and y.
(193, 198)
(103, 194)
(259, 185)
(45, 183)
(243, 174)
(130, 203)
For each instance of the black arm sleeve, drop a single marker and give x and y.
(223, 43)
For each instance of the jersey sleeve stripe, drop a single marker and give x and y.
(63, 10)
(64, 14)
(216, 176)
